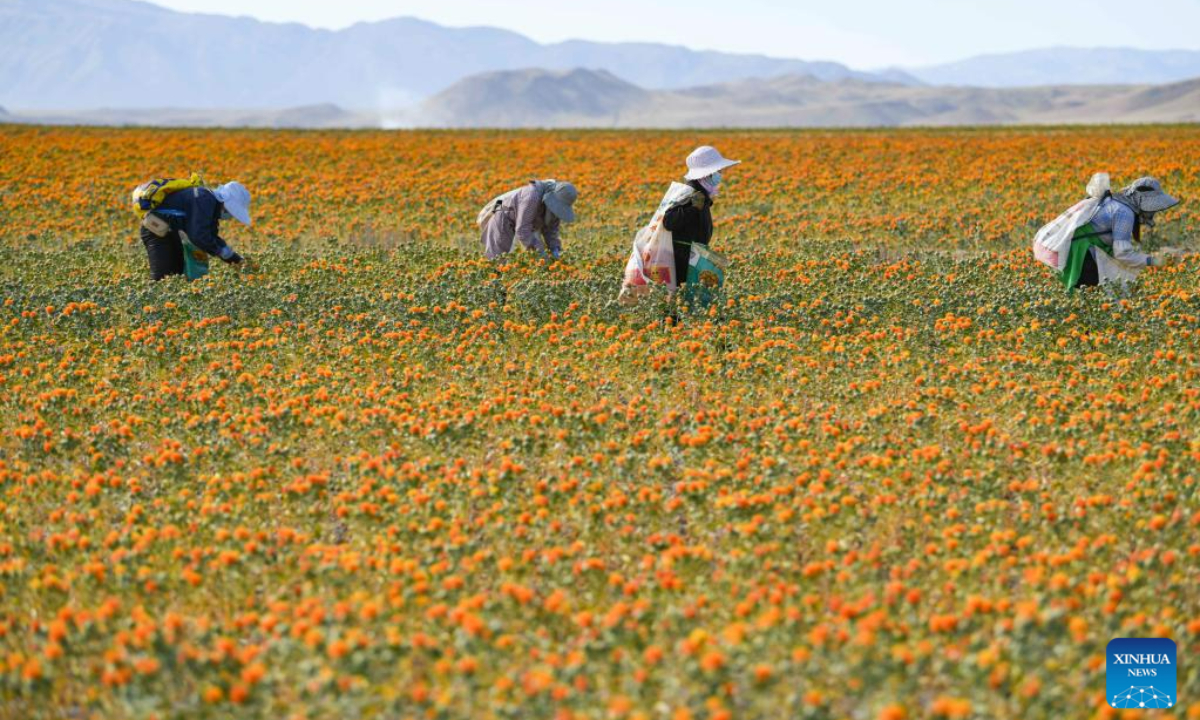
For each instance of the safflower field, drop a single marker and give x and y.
(894, 472)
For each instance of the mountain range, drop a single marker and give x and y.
(117, 62)
(599, 99)
(596, 98)
(69, 55)
(1066, 66)
(73, 54)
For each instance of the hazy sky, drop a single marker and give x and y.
(862, 33)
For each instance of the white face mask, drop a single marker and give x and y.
(711, 184)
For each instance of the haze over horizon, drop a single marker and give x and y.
(867, 34)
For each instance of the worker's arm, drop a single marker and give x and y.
(684, 215)
(551, 233)
(529, 203)
(1122, 239)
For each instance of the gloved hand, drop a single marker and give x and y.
(233, 258)
(556, 254)
(1168, 256)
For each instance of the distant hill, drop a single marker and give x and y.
(73, 54)
(526, 98)
(1066, 66)
(1177, 102)
(308, 117)
(586, 98)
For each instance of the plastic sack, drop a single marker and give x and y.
(195, 260)
(706, 268)
(1052, 244)
(706, 276)
(653, 257)
(1100, 186)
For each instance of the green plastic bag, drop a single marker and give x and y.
(705, 277)
(195, 260)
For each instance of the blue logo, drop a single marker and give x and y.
(1140, 673)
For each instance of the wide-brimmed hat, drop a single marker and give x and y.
(705, 161)
(1149, 197)
(559, 199)
(236, 199)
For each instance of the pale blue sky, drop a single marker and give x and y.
(865, 34)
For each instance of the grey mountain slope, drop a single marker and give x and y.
(70, 54)
(1179, 101)
(1063, 66)
(535, 98)
(899, 76)
(523, 98)
(662, 66)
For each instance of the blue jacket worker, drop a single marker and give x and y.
(194, 214)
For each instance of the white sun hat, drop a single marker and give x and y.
(236, 199)
(705, 161)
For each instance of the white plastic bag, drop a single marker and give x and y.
(653, 257)
(1052, 244)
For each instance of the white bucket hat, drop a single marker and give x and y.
(705, 161)
(236, 199)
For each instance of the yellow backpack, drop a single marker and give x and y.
(149, 195)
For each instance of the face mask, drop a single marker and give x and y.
(1144, 217)
(711, 184)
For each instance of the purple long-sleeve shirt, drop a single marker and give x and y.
(522, 217)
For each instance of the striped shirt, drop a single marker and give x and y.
(1115, 222)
